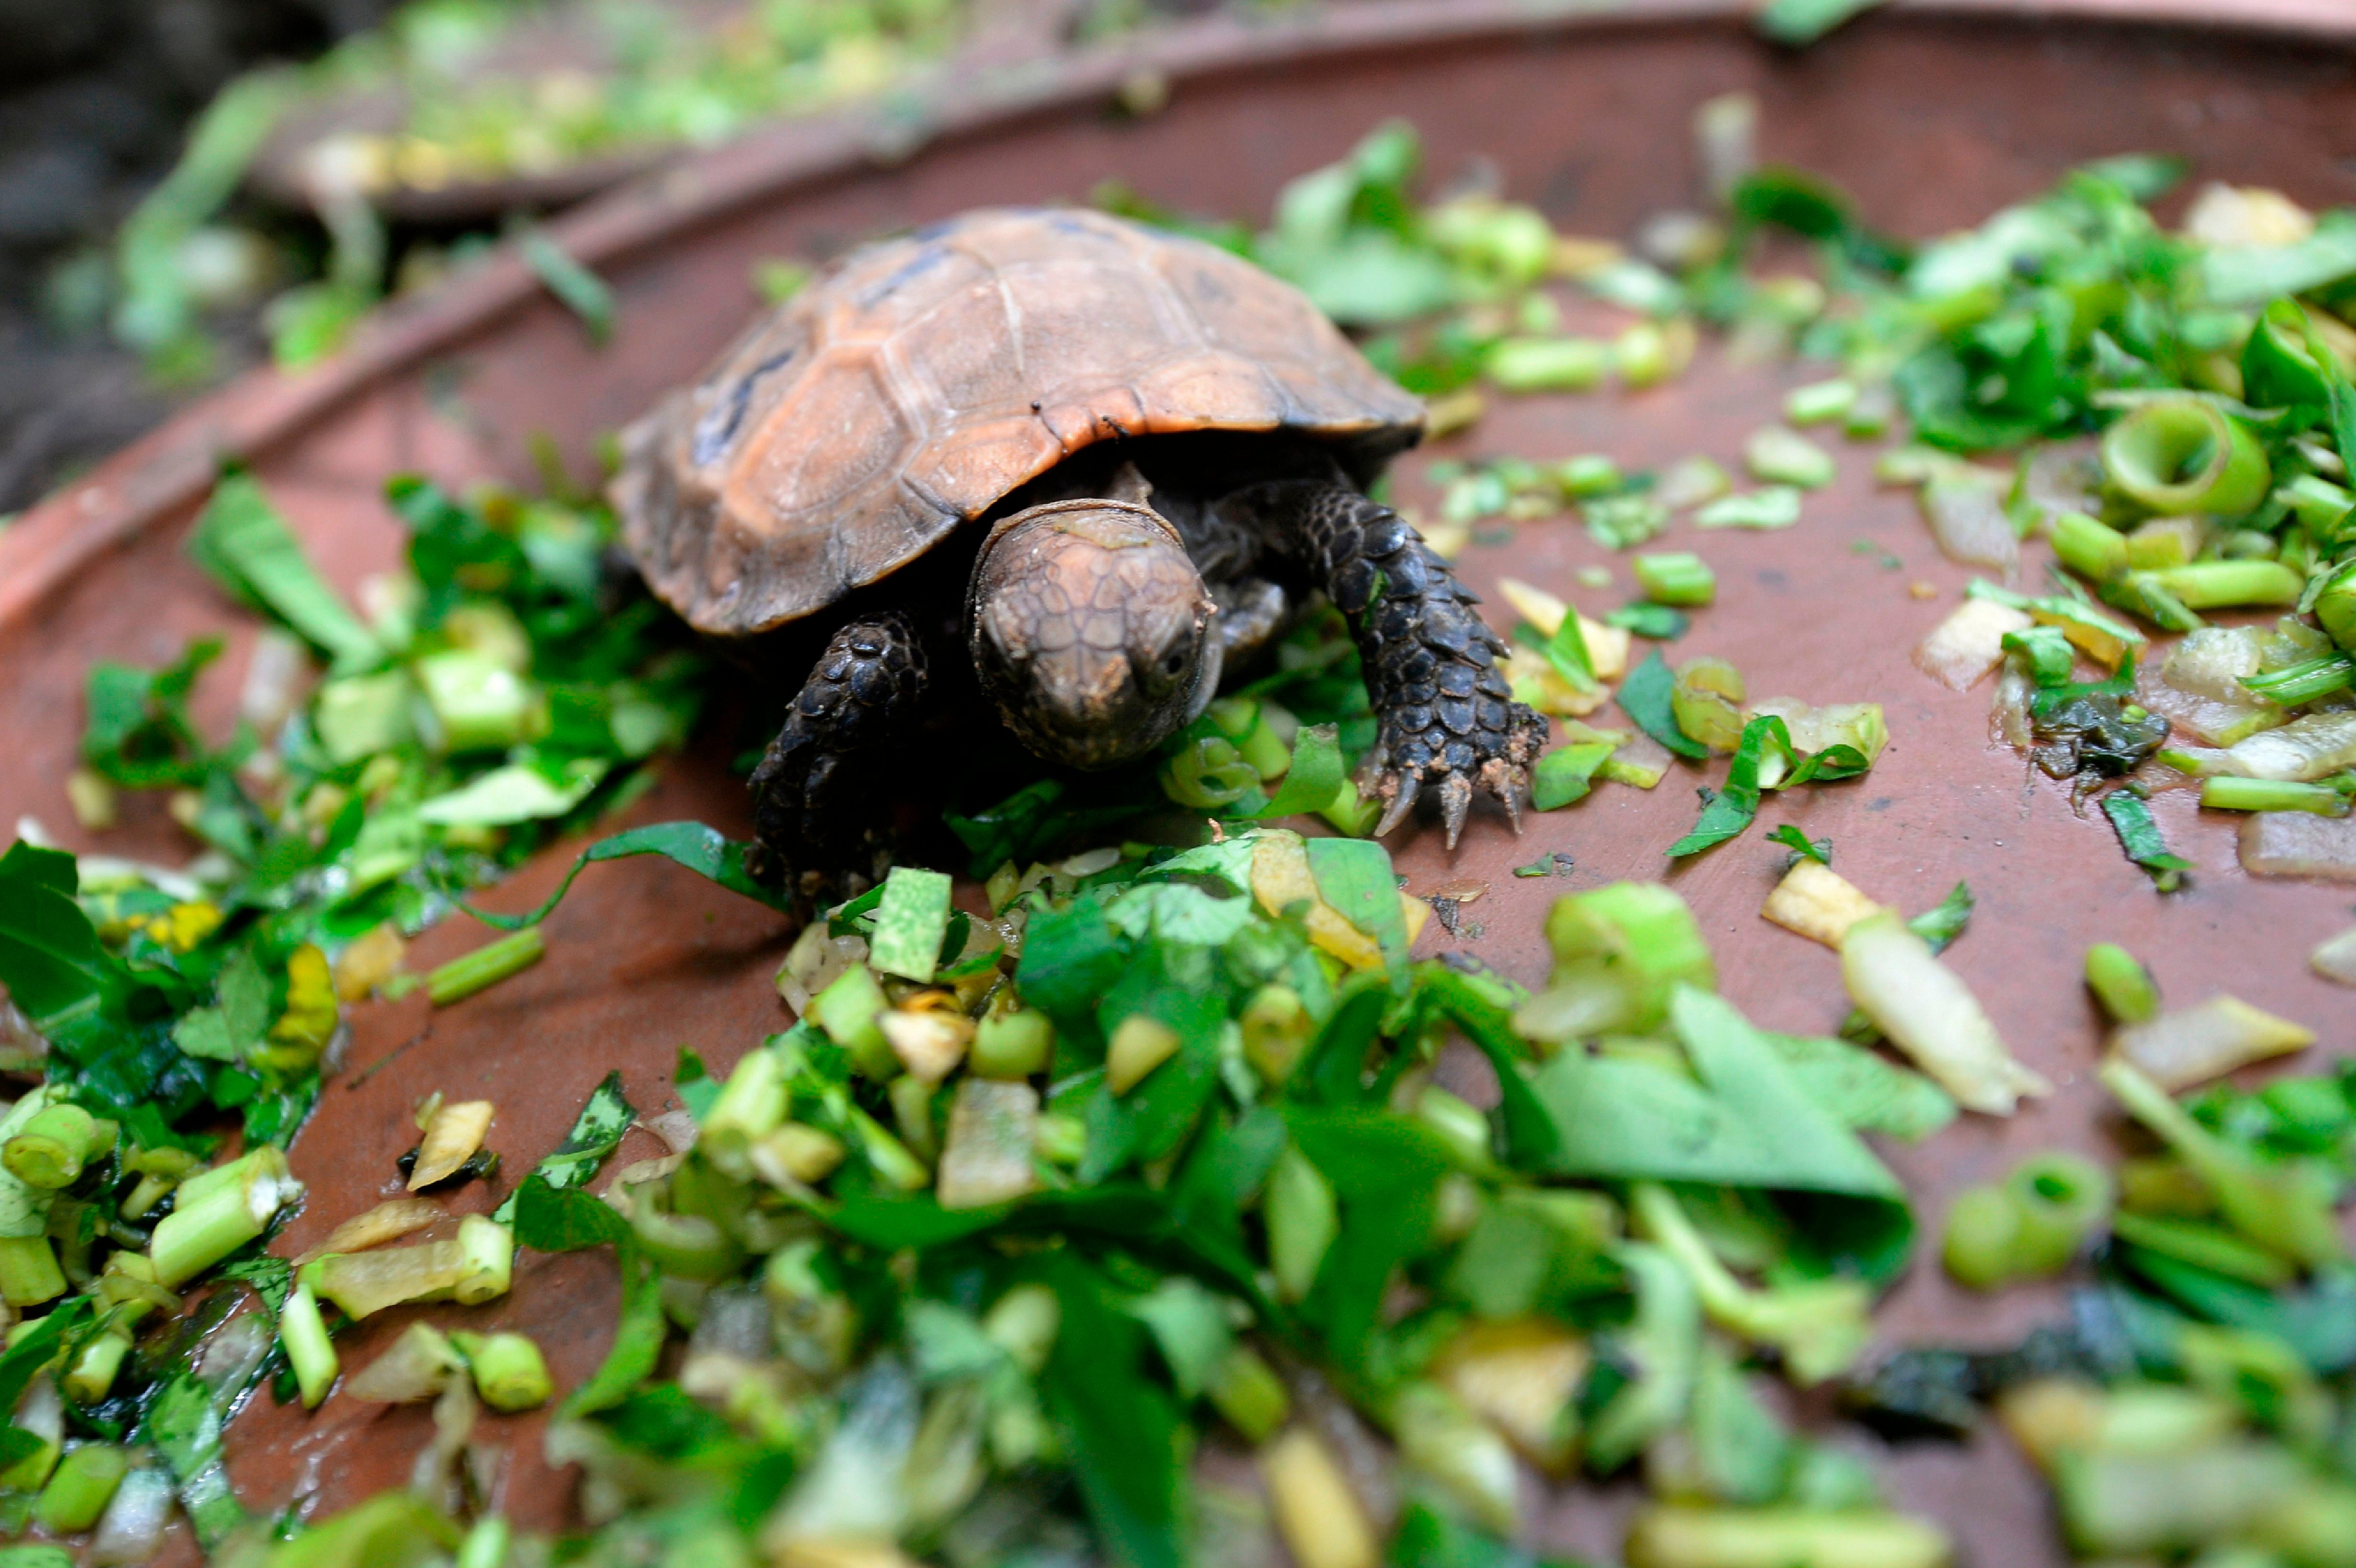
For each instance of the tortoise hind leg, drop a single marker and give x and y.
(1448, 717)
(818, 816)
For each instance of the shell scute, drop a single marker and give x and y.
(781, 478)
(924, 379)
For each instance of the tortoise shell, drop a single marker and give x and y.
(924, 379)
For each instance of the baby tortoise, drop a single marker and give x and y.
(1100, 460)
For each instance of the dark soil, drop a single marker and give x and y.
(95, 97)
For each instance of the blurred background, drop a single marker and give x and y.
(191, 187)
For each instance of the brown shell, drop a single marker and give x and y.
(924, 379)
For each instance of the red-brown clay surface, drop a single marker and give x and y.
(1933, 114)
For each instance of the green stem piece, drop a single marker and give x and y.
(1676, 578)
(83, 1484)
(303, 1332)
(485, 966)
(2087, 547)
(50, 1151)
(93, 1371)
(2284, 1206)
(2224, 792)
(219, 1212)
(2335, 605)
(2231, 584)
(28, 1271)
(2124, 986)
(2304, 681)
(508, 1370)
(2185, 455)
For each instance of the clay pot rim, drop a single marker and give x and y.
(170, 468)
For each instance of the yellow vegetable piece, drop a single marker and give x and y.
(1414, 912)
(1680, 1536)
(451, 1139)
(1537, 684)
(929, 1043)
(1818, 902)
(1280, 879)
(310, 1015)
(1521, 1376)
(1322, 1520)
(2097, 636)
(1931, 1015)
(842, 1553)
(2192, 1045)
(184, 925)
(1607, 646)
(1139, 1045)
(388, 1221)
(372, 958)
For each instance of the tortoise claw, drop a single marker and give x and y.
(1504, 777)
(1506, 782)
(1455, 802)
(1398, 792)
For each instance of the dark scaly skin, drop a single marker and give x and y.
(815, 795)
(1100, 620)
(1448, 717)
(1086, 624)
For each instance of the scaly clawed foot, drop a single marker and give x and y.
(1495, 752)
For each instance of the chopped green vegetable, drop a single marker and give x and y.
(2124, 988)
(1819, 403)
(911, 923)
(1779, 456)
(1658, 621)
(1561, 775)
(1771, 507)
(1646, 695)
(580, 291)
(1680, 579)
(2183, 455)
(240, 541)
(595, 1133)
(1730, 810)
(2286, 1207)
(485, 966)
(2139, 836)
(2226, 793)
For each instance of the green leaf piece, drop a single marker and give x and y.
(1315, 778)
(1563, 775)
(637, 1345)
(1644, 697)
(552, 1218)
(580, 291)
(225, 1032)
(245, 545)
(1866, 1091)
(1744, 1120)
(1355, 876)
(1802, 22)
(139, 734)
(2140, 836)
(706, 851)
(273, 1279)
(596, 1132)
(1802, 846)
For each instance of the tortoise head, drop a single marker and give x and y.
(1091, 630)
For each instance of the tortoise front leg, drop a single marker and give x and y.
(1448, 717)
(818, 812)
